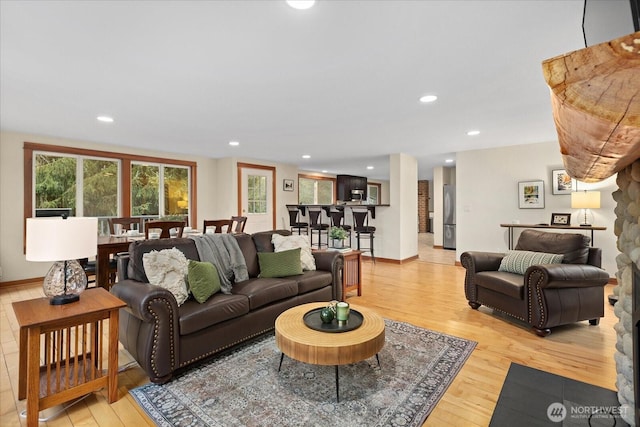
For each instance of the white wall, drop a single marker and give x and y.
(487, 195)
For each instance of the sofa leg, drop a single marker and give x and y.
(474, 305)
(542, 332)
(595, 321)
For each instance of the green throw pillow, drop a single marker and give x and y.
(518, 261)
(280, 264)
(203, 280)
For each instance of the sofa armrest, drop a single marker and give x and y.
(151, 333)
(122, 260)
(333, 262)
(481, 261)
(475, 262)
(565, 276)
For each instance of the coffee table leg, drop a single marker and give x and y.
(378, 359)
(337, 386)
(281, 358)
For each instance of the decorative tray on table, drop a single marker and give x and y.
(313, 321)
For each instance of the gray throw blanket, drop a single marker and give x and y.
(223, 251)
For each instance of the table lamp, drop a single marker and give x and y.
(62, 240)
(585, 200)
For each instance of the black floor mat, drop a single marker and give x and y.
(531, 397)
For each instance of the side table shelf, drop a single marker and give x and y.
(352, 273)
(70, 340)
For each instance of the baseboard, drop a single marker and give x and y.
(391, 261)
(438, 247)
(15, 283)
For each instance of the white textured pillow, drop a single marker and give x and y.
(285, 243)
(168, 269)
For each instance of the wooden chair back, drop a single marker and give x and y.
(165, 227)
(217, 225)
(127, 223)
(238, 223)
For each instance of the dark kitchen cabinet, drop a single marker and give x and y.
(347, 183)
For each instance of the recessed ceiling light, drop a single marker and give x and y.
(428, 98)
(473, 132)
(306, 156)
(234, 143)
(301, 4)
(105, 119)
(324, 171)
(369, 167)
(449, 161)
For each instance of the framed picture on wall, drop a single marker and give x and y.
(531, 194)
(561, 182)
(287, 185)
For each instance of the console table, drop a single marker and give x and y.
(547, 226)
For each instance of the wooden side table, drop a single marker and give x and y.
(352, 272)
(69, 339)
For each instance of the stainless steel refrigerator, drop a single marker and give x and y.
(449, 217)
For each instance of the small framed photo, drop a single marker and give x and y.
(562, 183)
(531, 194)
(560, 219)
(287, 185)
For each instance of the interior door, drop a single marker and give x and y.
(257, 197)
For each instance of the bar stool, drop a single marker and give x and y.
(315, 216)
(363, 229)
(294, 224)
(337, 220)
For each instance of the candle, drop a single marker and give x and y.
(342, 311)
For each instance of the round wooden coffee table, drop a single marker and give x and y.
(299, 342)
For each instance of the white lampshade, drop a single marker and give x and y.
(585, 200)
(57, 239)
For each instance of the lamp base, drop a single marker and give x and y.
(64, 299)
(585, 225)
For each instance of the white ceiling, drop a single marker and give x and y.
(339, 82)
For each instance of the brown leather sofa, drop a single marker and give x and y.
(163, 337)
(546, 295)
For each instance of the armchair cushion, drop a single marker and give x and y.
(518, 261)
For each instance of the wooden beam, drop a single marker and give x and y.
(595, 96)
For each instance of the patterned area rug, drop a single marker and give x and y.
(244, 388)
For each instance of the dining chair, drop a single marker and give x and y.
(165, 227)
(294, 224)
(217, 225)
(238, 223)
(127, 223)
(316, 225)
(363, 230)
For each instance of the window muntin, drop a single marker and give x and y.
(257, 194)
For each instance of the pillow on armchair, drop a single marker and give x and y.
(518, 261)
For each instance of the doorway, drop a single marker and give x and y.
(256, 198)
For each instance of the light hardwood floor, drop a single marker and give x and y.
(426, 294)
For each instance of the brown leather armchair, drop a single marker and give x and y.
(546, 295)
